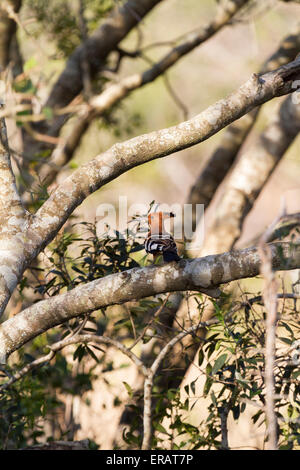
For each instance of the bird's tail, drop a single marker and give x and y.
(170, 256)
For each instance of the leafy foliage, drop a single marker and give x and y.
(23, 408)
(59, 19)
(27, 405)
(232, 365)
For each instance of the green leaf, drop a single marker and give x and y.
(207, 386)
(286, 446)
(171, 394)
(160, 428)
(29, 64)
(79, 353)
(241, 379)
(193, 386)
(92, 354)
(47, 112)
(129, 389)
(219, 363)
(213, 398)
(185, 405)
(200, 357)
(296, 374)
(287, 327)
(286, 340)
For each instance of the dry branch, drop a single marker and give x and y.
(96, 49)
(148, 372)
(149, 378)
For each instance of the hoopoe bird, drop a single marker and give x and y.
(158, 241)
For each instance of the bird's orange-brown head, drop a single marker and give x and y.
(155, 221)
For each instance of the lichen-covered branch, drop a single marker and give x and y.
(13, 219)
(203, 274)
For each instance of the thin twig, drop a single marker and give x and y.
(157, 313)
(148, 385)
(271, 302)
(175, 97)
(28, 368)
(223, 412)
(14, 16)
(74, 339)
(86, 74)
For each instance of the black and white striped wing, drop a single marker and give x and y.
(164, 245)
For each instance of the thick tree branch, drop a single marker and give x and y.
(7, 32)
(203, 274)
(12, 221)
